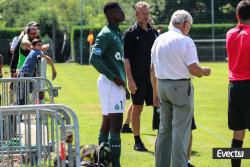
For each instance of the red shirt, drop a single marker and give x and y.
(238, 52)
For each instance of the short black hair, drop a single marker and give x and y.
(36, 41)
(243, 10)
(110, 5)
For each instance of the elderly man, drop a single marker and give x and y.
(174, 62)
(138, 40)
(238, 44)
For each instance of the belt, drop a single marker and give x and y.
(184, 79)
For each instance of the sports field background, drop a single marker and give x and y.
(79, 91)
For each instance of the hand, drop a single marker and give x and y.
(13, 74)
(118, 81)
(206, 71)
(156, 101)
(132, 86)
(54, 74)
(45, 47)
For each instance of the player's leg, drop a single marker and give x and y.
(138, 101)
(104, 131)
(114, 137)
(116, 108)
(126, 128)
(104, 87)
(238, 106)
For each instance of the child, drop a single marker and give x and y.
(30, 66)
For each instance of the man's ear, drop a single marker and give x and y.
(237, 16)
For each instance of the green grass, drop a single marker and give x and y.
(79, 91)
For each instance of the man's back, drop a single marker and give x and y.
(174, 51)
(238, 44)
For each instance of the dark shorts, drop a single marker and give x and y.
(193, 126)
(143, 93)
(239, 105)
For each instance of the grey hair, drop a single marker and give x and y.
(179, 17)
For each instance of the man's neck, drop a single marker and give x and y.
(143, 26)
(113, 23)
(244, 22)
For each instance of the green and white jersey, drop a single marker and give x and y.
(108, 54)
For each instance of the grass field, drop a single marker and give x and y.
(79, 91)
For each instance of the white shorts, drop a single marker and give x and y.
(112, 97)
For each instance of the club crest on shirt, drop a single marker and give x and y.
(118, 56)
(117, 107)
(97, 51)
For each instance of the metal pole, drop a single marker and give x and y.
(212, 20)
(81, 47)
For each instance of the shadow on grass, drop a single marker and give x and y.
(195, 153)
(148, 134)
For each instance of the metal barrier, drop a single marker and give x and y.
(47, 130)
(45, 85)
(19, 91)
(26, 90)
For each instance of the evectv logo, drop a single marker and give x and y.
(231, 153)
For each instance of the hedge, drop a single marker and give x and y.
(7, 34)
(198, 31)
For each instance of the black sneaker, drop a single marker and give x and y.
(126, 130)
(190, 165)
(140, 147)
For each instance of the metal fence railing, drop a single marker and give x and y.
(211, 49)
(19, 91)
(46, 135)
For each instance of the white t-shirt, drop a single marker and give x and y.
(171, 55)
(14, 43)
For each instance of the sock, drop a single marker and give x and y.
(236, 144)
(126, 126)
(155, 109)
(103, 137)
(137, 139)
(115, 146)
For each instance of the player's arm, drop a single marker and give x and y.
(153, 78)
(50, 62)
(128, 48)
(131, 83)
(192, 62)
(154, 83)
(98, 62)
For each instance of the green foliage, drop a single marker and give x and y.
(20, 12)
(6, 35)
(198, 31)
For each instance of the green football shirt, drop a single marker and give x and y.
(107, 55)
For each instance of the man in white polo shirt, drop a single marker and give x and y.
(174, 61)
